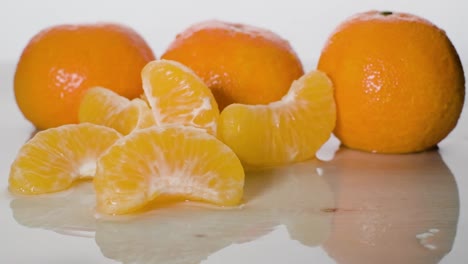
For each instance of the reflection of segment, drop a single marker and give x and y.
(293, 196)
(296, 196)
(69, 212)
(391, 208)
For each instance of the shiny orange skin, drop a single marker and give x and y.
(61, 62)
(399, 83)
(240, 63)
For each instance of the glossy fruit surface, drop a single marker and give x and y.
(399, 83)
(240, 63)
(61, 62)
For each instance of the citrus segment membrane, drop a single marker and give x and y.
(282, 132)
(102, 106)
(54, 158)
(177, 96)
(173, 162)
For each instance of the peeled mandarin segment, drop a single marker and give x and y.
(174, 162)
(282, 132)
(102, 106)
(177, 95)
(54, 158)
(137, 115)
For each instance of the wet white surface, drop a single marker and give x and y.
(351, 207)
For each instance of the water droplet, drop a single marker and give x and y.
(426, 239)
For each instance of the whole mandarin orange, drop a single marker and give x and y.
(61, 62)
(240, 63)
(399, 83)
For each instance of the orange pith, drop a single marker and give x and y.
(102, 106)
(177, 96)
(399, 83)
(286, 131)
(54, 158)
(172, 161)
(61, 62)
(239, 63)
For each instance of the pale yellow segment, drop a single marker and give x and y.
(282, 132)
(136, 115)
(175, 162)
(177, 96)
(103, 106)
(54, 158)
(100, 105)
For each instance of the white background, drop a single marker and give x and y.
(306, 24)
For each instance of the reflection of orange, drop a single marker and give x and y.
(61, 62)
(240, 63)
(391, 209)
(399, 84)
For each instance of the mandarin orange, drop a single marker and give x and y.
(240, 63)
(61, 62)
(399, 83)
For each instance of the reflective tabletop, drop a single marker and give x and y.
(344, 207)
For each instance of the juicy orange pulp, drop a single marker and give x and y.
(282, 132)
(177, 95)
(160, 162)
(102, 106)
(54, 158)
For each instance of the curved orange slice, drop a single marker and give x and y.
(174, 162)
(282, 132)
(103, 106)
(54, 158)
(137, 115)
(178, 96)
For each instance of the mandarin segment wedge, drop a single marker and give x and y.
(137, 115)
(282, 132)
(174, 162)
(177, 96)
(102, 106)
(99, 105)
(54, 158)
